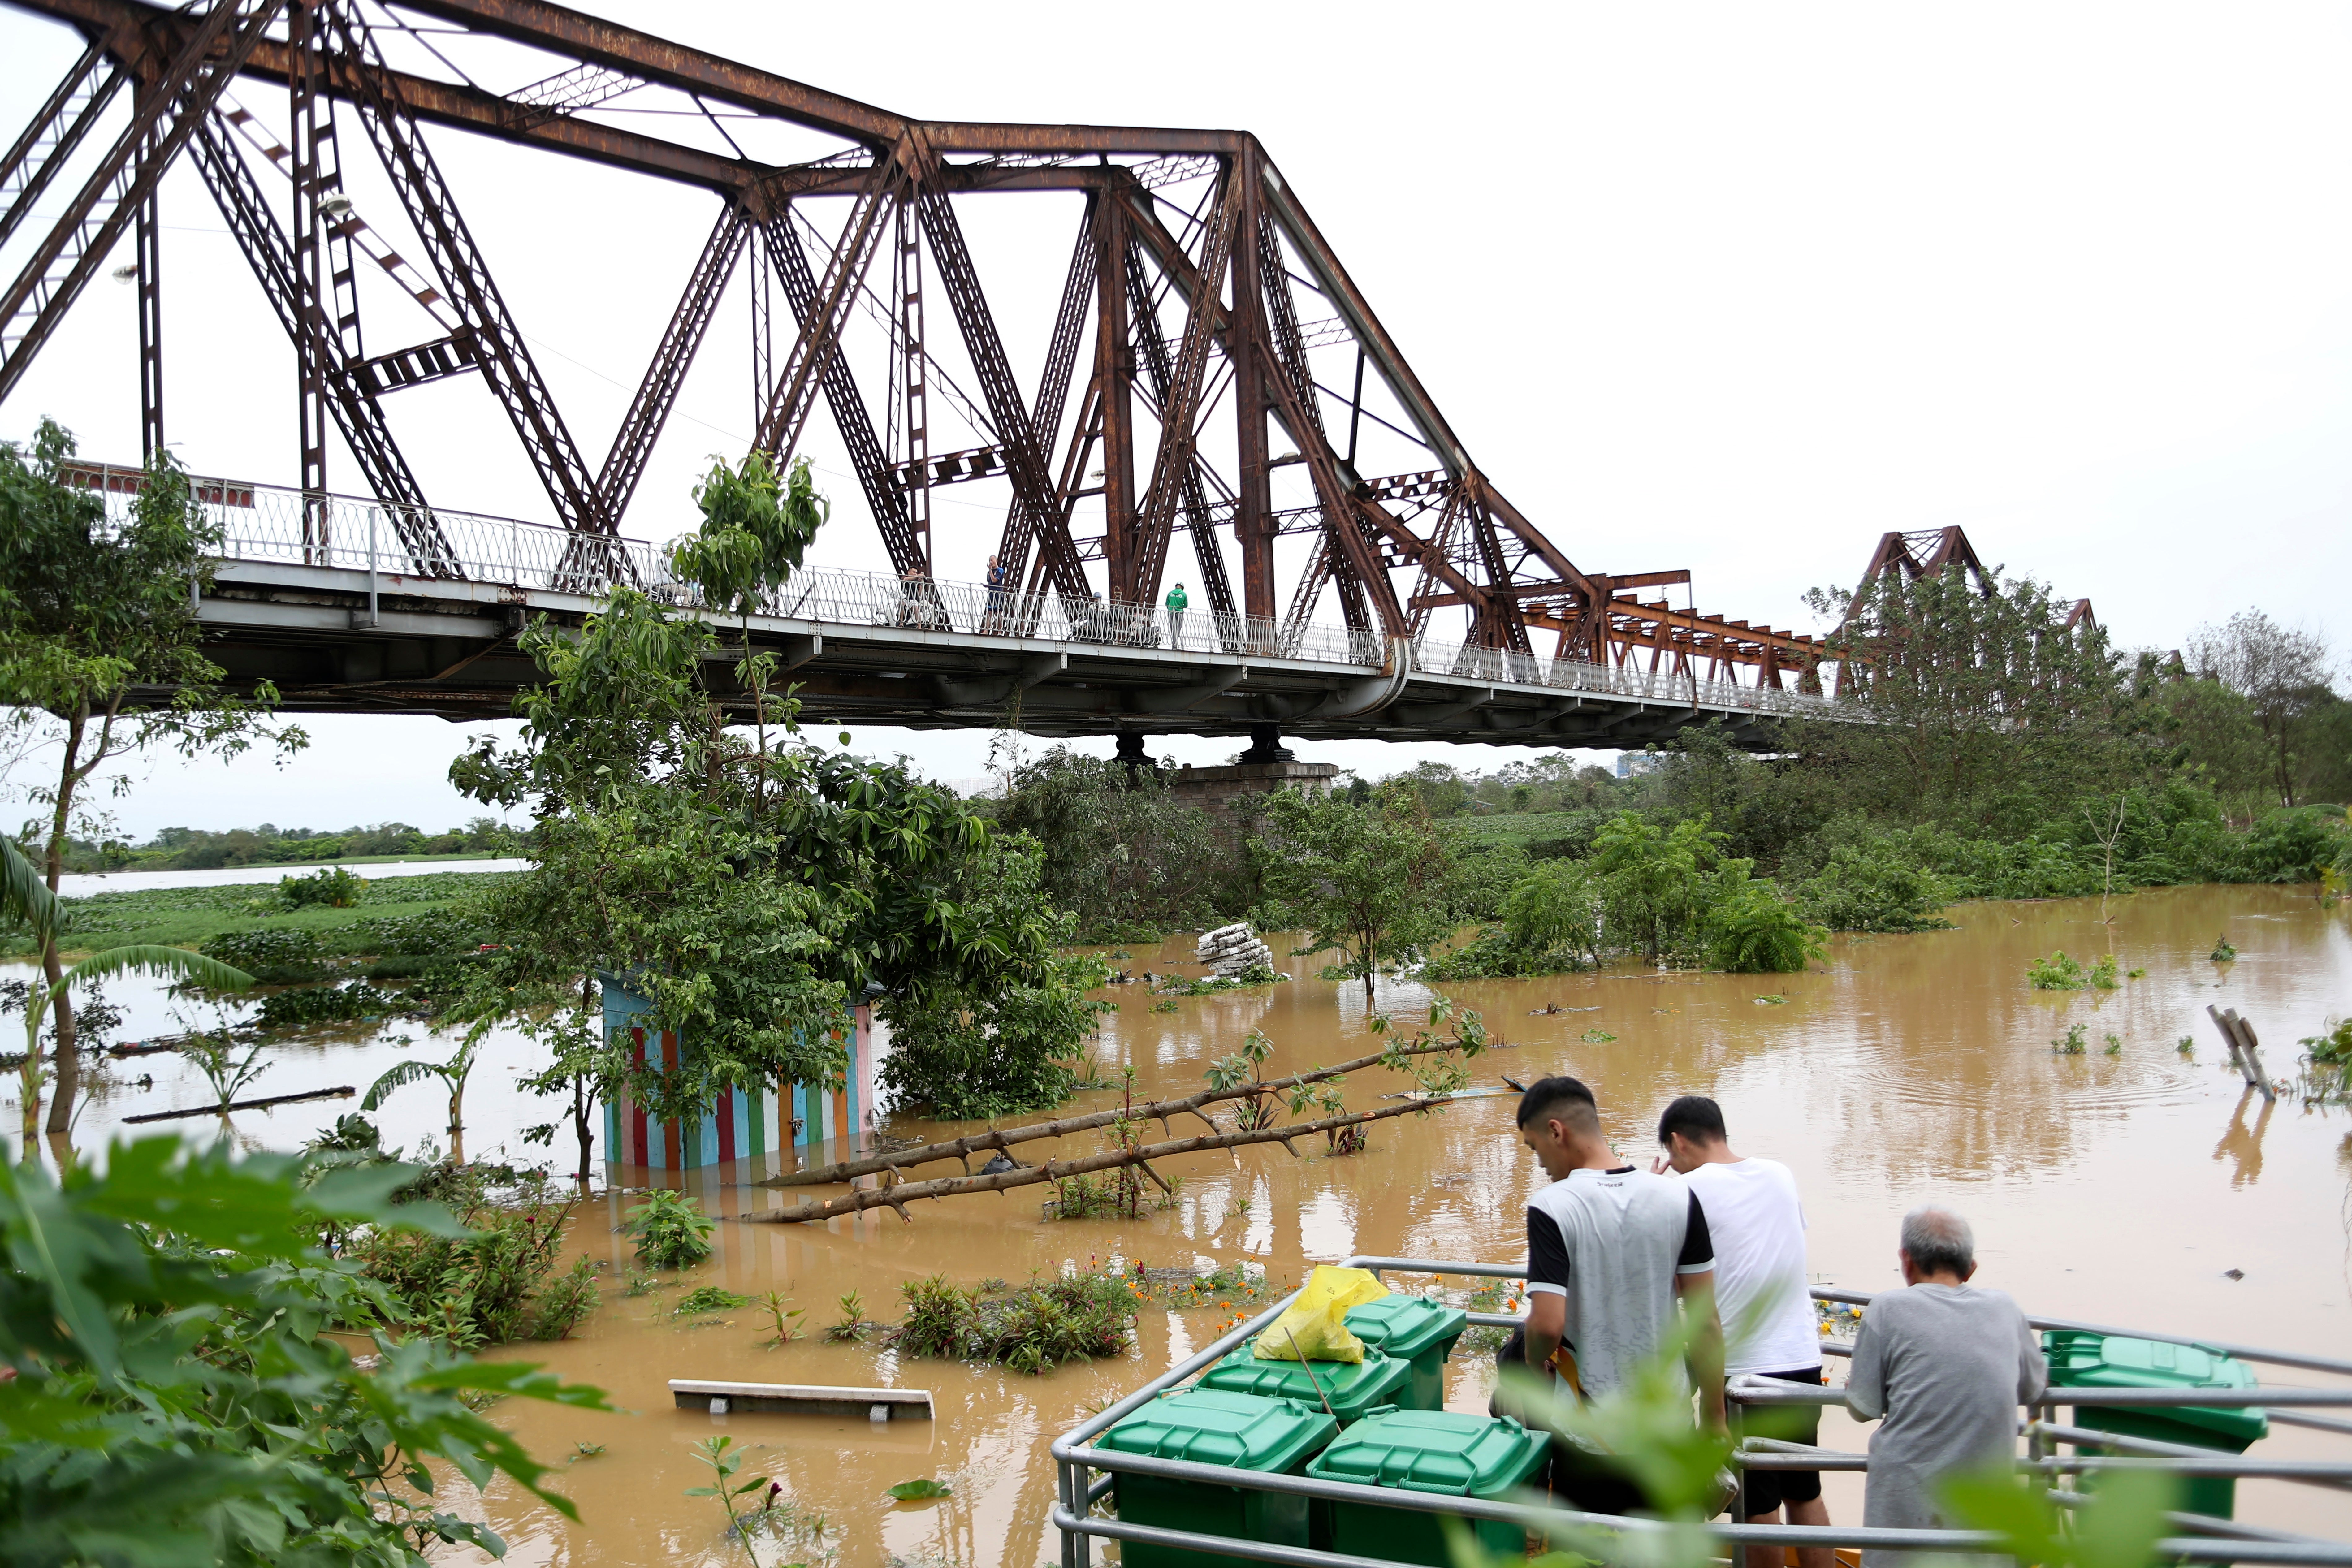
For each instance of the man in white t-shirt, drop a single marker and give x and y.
(1616, 1255)
(1757, 1227)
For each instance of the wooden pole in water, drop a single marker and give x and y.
(2244, 1049)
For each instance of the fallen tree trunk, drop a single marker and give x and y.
(901, 1194)
(1159, 1111)
(345, 1092)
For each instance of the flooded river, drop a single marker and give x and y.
(2144, 1187)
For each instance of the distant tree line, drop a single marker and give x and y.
(2010, 755)
(197, 850)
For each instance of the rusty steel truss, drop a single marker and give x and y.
(1204, 340)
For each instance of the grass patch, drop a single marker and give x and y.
(190, 917)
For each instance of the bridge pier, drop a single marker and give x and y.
(1268, 765)
(1131, 755)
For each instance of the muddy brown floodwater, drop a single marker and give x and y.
(2130, 1188)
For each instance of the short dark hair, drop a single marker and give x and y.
(1695, 1117)
(1548, 1094)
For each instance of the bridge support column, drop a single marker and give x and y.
(1268, 765)
(1131, 755)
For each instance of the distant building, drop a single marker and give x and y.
(1633, 765)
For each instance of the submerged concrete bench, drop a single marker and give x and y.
(801, 1399)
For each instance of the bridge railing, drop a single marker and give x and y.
(264, 523)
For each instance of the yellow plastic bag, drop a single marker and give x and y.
(1312, 1328)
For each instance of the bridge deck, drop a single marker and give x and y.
(356, 624)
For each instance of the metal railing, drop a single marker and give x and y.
(269, 523)
(1076, 1491)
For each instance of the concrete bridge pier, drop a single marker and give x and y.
(1268, 765)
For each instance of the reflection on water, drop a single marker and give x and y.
(2123, 1188)
(2242, 1145)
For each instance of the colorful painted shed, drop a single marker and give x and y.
(807, 1122)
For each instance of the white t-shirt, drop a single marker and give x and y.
(1757, 1226)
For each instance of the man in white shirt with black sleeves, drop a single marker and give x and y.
(1757, 1227)
(1615, 1254)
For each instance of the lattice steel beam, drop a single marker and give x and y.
(850, 414)
(656, 394)
(177, 97)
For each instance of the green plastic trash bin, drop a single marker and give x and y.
(1440, 1451)
(2079, 1359)
(1351, 1389)
(1414, 1328)
(1216, 1426)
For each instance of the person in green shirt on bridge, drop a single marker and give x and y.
(1177, 602)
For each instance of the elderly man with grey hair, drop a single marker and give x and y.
(1947, 1365)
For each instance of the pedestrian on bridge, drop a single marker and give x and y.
(998, 577)
(1177, 602)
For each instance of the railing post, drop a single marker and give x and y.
(374, 512)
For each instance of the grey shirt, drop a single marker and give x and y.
(1946, 1365)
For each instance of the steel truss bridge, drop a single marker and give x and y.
(1214, 383)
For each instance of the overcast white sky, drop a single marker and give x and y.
(1734, 288)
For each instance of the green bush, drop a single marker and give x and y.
(671, 1229)
(1752, 929)
(2297, 846)
(492, 1285)
(2334, 1048)
(1874, 886)
(1042, 1325)
(329, 886)
(2056, 972)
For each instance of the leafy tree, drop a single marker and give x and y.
(745, 886)
(1750, 928)
(1556, 908)
(1987, 709)
(2283, 674)
(1368, 881)
(171, 1401)
(1653, 881)
(1125, 858)
(1003, 1035)
(99, 649)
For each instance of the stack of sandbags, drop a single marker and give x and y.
(1234, 949)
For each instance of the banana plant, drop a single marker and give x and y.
(25, 900)
(453, 1072)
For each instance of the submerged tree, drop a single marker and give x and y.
(747, 886)
(1367, 880)
(100, 650)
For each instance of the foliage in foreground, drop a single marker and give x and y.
(171, 1401)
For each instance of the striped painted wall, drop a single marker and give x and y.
(803, 1120)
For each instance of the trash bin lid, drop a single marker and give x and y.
(1222, 1426)
(1442, 1452)
(1404, 1326)
(2081, 1359)
(1351, 1388)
